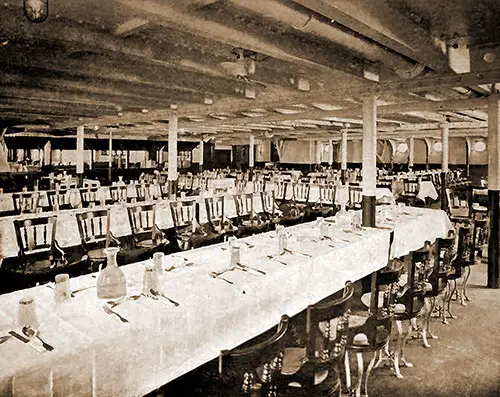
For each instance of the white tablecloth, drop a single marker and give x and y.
(97, 355)
(426, 189)
(67, 228)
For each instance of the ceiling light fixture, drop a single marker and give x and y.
(437, 146)
(479, 146)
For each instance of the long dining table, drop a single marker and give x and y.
(96, 354)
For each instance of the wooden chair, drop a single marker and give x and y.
(25, 202)
(143, 192)
(325, 206)
(436, 265)
(270, 207)
(315, 368)
(95, 235)
(255, 370)
(370, 322)
(409, 304)
(248, 222)
(188, 232)
(145, 233)
(216, 217)
(59, 200)
(89, 197)
(410, 192)
(355, 197)
(40, 256)
(118, 194)
(259, 186)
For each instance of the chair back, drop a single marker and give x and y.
(183, 212)
(410, 187)
(301, 192)
(240, 185)
(268, 202)
(280, 190)
(142, 218)
(244, 205)
(93, 226)
(89, 196)
(35, 235)
(255, 370)
(118, 193)
(143, 192)
(327, 194)
(355, 196)
(59, 199)
(259, 185)
(331, 310)
(26, 202)
(215, 210)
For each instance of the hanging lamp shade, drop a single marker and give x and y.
(36, 10)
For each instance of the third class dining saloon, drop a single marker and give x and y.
(260, 198)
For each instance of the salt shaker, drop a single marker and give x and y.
(235, 251)
(61, 289)
(158, 262)
(150, 280)
(27, 316)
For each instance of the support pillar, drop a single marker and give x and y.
(47, 154)
(80, 131)
(411, 153)
(319, 147)
(160, 157)
(110, 160)
(494, 191)
(172, 154)
(369, 169)
(445, 132)
(468, 149)
(251, 156)
(343, 156)
(330, 153)
(202, 154)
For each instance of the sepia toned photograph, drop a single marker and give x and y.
(249, 198)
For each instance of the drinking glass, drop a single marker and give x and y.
(150, 280)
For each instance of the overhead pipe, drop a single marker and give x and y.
(309, 23)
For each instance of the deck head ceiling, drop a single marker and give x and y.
(234, 68)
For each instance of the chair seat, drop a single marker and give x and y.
(38, 267)
(149, 243)
(293, 360)
(97, 254)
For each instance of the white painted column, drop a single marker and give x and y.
(330, 152)
(251, 152)
(319, 147)
(494, 191)
(80, 131)
(343, 150)
(47, 153)
(110, 149)
(202, 153)
(445, 131)
(172, 148)
(160, 156)
(369, 167)
(411, 152)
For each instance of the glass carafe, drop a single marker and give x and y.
(111, 283)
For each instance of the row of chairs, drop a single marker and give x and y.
(307, 354)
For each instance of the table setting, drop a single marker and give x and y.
(180, 310)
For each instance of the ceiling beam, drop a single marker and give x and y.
(384, 25)
(454, 104)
